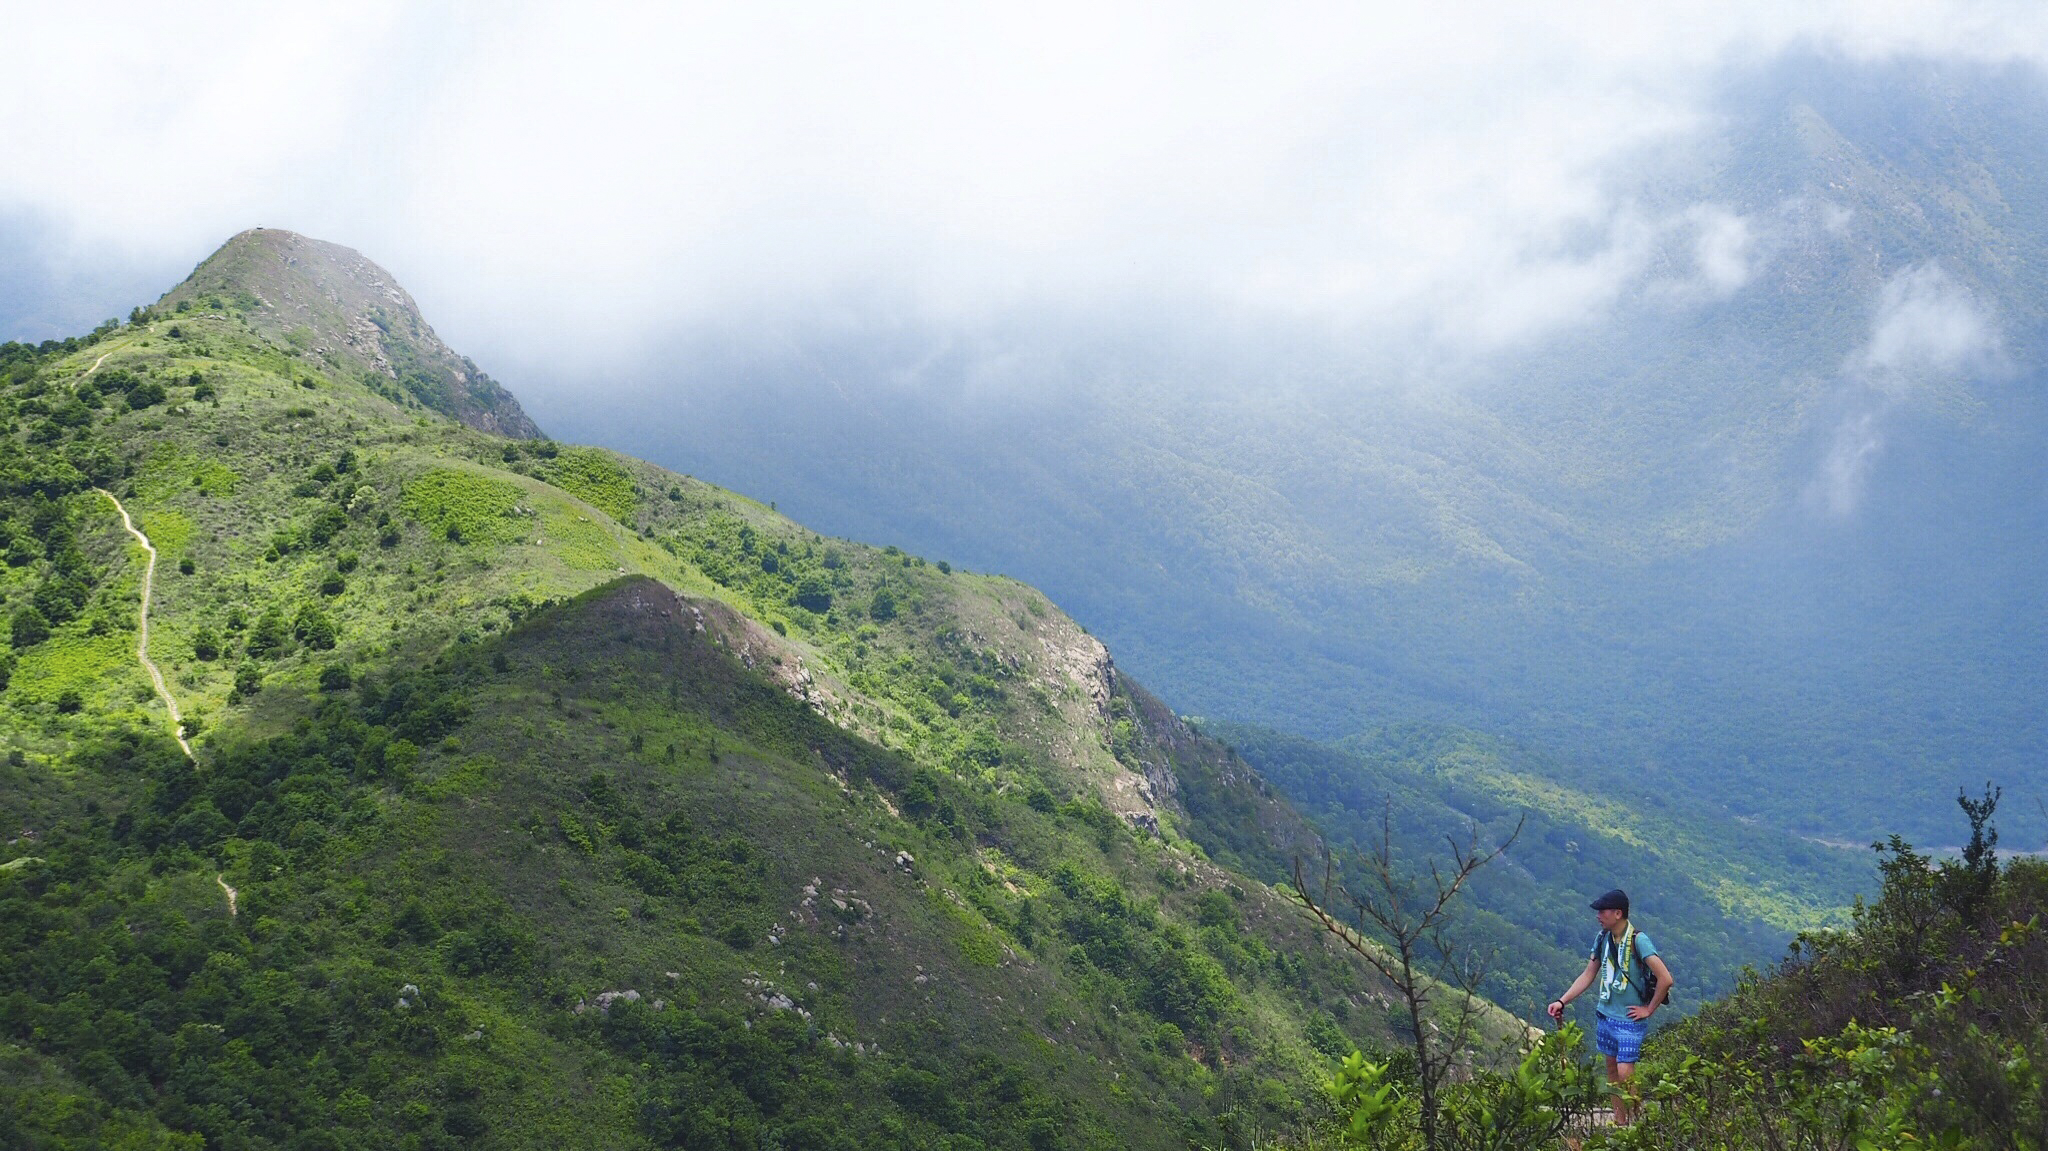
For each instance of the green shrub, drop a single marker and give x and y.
(270, 634)
(30, 628)
(61, 598)
(814, 594)
(329, 523)
(314, 628)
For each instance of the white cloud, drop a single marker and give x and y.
(1926, 326)
(1845, 469)
(1925, 330)
(622, 167)
(1721, 248)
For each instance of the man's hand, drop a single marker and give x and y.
(1641, 1013)
(1556, 1010)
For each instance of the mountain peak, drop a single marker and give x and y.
(341, 312)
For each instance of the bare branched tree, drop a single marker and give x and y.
(1395, 921)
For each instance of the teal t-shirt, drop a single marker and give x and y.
(1617, 990)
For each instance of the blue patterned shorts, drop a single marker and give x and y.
(1621, 1038)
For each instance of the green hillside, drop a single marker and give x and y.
(542, 797)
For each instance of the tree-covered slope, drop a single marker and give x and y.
(542, 797)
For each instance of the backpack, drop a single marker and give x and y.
(1637, 973)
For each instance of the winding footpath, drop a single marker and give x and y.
(156, 676)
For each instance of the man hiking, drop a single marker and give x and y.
(1633, 984)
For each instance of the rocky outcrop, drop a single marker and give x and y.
(1073, 657)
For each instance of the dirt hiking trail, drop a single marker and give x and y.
(156, 676)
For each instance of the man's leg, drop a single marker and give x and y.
(1614, 1080)
(1624, 1108)
(1607, 1043)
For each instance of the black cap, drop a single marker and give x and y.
(1616, 900)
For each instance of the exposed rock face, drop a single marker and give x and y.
(342, 314)
(1080, 659)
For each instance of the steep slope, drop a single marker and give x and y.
(571, 802)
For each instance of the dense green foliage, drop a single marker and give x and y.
(545, 798)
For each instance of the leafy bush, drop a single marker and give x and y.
(813, 594)
(329, 523)
(61, 598)
(314, 628)
(30, 627)
(882, 608)
(270, 634)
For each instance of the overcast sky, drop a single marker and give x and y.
(554, 179)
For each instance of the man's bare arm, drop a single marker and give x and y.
(1578, 986)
